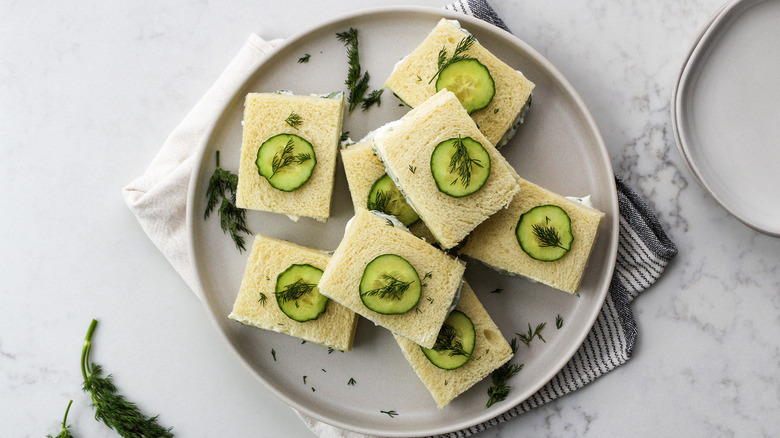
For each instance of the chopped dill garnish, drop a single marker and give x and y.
(312, 389)
(330, 350)
(462, 162)
(495, 111)
(500, 390)
(273, 353)
(389, 222)
(303, 341)
(262, 299)
(412, 168)
(344, 136)
(287, 158)
(380, 201)
(393, 288)
(65, 432)
(223, 184)
(497, 291)
(357, 81)
(323, 370)
(419, 79)
(558, 321)
(463, 46)
(304, 59)
(294, 120)
(527, 338)
(351, 382)
(390, 413)
(447, 341)
(304, 380)
(418, 310)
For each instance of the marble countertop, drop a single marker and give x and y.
(90, 90)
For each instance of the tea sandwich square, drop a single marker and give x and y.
(450, 174)
(542, 236)
(371, 188)
(288, 153)
(280, 292)
(496, 96)
(469, 346)
(396, 280)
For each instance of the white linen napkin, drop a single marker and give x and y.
(158, 198)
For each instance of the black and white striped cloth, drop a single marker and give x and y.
(644, 250)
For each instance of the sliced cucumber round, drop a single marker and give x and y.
(298, 295)
(286, 161)
(460, 166)
(544, 232)
(454, 344)
(471, 81)
(386, 198)
(390, 285)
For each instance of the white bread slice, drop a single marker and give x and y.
(491, 351)
(494, 242)
(369, 236)
(264, 117)
(408, 144)
(409, 81)
(363, 168)
(269, 257)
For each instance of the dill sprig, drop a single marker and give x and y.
(393, 289)
(262, 299)
(224, 184)
(304, 59)
(500, 390)
(380, 201)
(357, 81)
(65, 432)
(461, 162)
(294, 120)
(351, 382)
(447, 340)
(287, 158)
(111, 408)
(536, 333)
(391, 414)
(458, 55)
(558, 321)
(294, 291)
(547, 236)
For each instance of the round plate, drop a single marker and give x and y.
(558, 147)
(725, 115)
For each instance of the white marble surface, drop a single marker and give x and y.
(89, 91)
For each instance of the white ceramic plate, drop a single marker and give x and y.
(558, 147)
(725, 111)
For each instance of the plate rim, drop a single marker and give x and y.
(612, 234)
(701, 43)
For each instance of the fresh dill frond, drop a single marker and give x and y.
(547, 236)
(500, 390)
(294, 120)
(558, 321)
(536, 333)
(458, 55)
(294, 291)
(111, 408)
(65, 432)
(304, 59)
(357, 80)
(380, 201)
(223, 185)
(287, 158)
(447, 340)
(462, 163)
(393, 288)
(391, 414)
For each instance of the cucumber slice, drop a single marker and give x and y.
(544, 232)
(390, 285)
(460, 166)
(286, 161)
(471, 81)
(454, 344)
(386, 198)
(298, 295)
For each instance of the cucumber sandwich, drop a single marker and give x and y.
(450, 174)
(541, 235)
(280, 292)
(495, 95)
(288, 153)
(394, 279)
(469, 346)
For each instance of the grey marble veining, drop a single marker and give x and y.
(89, 91)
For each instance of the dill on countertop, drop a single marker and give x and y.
(500, 390)
(357, 81)
(462, 162)
(351, 382)
(389, 413)
(111, 408)
(294, 120)
(224, 184)
(558, 321)
(273, 353)
(536, 333)
(304, 59)
(463, 46)
(65, 432)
